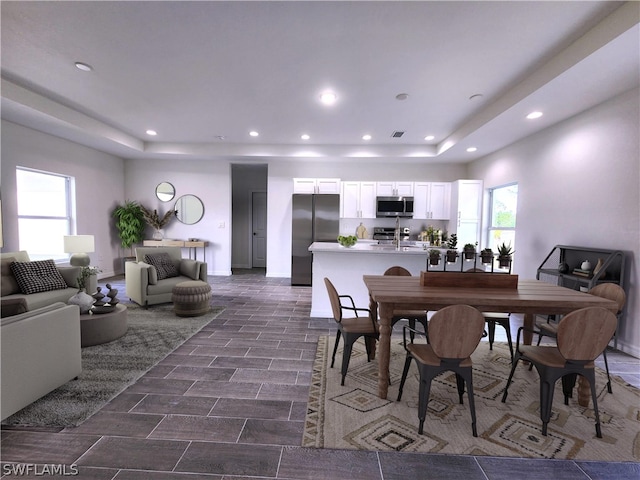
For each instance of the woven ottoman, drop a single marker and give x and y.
(191, 299)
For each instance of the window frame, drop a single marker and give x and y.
(491, 215)
(68, 217)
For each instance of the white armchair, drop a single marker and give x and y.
(143, 284)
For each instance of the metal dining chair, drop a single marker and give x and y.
(412, 316)
(351, 328)
(610, 291)
(582, 335)
(454, 333)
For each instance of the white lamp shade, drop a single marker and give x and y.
(79, 244)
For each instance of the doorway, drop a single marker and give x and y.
(249, 218)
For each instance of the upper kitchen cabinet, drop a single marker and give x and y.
(466, 210)
(358, 200)
(431, 200)
(316, 185)
(392, 189)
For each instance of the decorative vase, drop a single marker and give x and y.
(158, 234)
(586, 265)
(504, 261)
(486, 257)
(83, 300)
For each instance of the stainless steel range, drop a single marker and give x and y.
(387, 233)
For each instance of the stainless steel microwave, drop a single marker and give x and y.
(394, 207)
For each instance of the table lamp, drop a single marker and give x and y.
(79, 246)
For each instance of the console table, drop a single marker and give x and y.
(191, 245)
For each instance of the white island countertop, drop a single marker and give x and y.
(345, 267)
(369, 247)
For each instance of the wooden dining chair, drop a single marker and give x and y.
(582, 335)
(412, 316)
(499, 318)
(350, 327)
(610, 291)
(454, 333)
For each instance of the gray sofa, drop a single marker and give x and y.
(40, 352)
(143, 284)
(40, 299)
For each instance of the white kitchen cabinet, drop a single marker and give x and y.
(358, 200)
(316, 185)
(466, 210)
(392, 189)
(431, 200)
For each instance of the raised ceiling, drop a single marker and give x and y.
(203, 74)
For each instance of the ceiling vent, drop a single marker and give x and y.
(397, 134)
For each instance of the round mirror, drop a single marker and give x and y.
(165, 192)
(189, 209)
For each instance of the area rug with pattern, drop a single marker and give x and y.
(109, 368)
(354, 417)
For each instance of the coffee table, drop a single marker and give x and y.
(98, 328)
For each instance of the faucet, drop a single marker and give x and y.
(396, 234)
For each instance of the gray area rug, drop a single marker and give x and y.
(354, 417)
(109, 368)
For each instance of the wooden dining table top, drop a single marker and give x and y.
(531, 296)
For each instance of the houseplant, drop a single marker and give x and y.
(130, 224)
(469, 250)
(157, 222)
(504, 255)
(452, 253)
(434, 257)
(486, 255)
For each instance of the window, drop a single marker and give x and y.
(44, 213)
(503, 202)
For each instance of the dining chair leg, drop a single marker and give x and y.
(460, 384)
(472, 405)
(335, 348)
(507, 329)
(591, 377)
(423, 399)
(405, 371)
(491, 327)
(514, 364)
(346, 356)
(606, 366)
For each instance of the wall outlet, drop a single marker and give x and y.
(221, 225)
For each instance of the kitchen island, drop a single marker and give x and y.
(345, 266)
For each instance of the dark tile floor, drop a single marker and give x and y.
(231, 402)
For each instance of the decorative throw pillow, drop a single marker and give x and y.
(165, 266)
(8, 285)
(37, 276)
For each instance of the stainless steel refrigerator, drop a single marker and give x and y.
(316, 218)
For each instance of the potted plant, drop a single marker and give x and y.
(130, 224)
(434, 257)
(504, 255)
(469, 250)
(486, 255)
(452, 253)
(157, 222)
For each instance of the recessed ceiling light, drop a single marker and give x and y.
(534, 115)
(428, 138)
(84, 67)
(476, 96)
(402, 96)
(253, 133)
(328, 98)
(471, 149)
(153, 133)
(366, 137)
(304, 136)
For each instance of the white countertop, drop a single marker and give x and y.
(368, 247)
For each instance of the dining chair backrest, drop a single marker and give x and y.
(334, 299)
(610, 291)
(584, 334)
(455, 331)
(398, 271)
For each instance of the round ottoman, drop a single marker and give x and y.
(191, 299)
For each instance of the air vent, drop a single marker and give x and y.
(397, 134)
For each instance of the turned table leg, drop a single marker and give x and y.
(386, 312)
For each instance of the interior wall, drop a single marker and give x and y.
(99, 183)
(578, 184)
(208, 180)
(245, 180)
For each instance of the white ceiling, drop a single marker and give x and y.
(198, 71)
